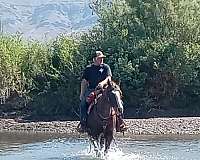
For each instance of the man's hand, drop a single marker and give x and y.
(99, 86)
(81, 97)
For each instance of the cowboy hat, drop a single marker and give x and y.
(99, 54)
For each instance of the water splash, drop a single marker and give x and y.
(118, 154)
(114, 153)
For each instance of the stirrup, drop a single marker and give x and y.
(123, 127)
(81, 128)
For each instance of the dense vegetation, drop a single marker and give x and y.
(153, 48)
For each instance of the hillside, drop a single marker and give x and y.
(41, 19)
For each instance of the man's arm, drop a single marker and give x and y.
(84, 85)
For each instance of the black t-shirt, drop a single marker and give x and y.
(95, 74)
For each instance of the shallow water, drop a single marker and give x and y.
(60, 147)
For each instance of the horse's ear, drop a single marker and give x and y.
(118, 82)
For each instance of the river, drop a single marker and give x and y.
(26, 146)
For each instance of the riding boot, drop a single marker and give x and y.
(83, 118)
(81, 126)
(121, 125)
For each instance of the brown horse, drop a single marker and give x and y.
(101, 121)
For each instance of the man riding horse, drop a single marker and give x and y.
(96, 75)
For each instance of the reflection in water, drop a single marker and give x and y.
(14, 139)
(20, 146)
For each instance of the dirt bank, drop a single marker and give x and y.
(151, 126)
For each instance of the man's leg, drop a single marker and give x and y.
(121, 126)
(83, 111)
(83, 116)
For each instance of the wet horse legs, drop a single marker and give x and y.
(102, 142)
(108, 140)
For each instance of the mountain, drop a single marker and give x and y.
(45, 19)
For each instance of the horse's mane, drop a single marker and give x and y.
(114, 86)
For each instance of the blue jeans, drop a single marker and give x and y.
(84, 106)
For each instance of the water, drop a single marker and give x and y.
(60, 147)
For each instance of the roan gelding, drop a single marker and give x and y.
(102, 118)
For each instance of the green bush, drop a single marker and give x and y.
(40, 72)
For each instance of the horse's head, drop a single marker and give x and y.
(113, 94)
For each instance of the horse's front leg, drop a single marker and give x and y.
(101, 141)
(108, 140)
(95, 143)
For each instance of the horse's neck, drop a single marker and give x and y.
(103, 105)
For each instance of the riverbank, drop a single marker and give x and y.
(151, 126)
